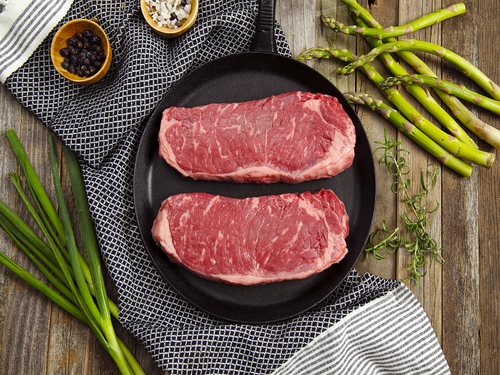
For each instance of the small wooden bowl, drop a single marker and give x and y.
(167, 31)
(60, 41)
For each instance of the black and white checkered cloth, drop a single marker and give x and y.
(369, 325)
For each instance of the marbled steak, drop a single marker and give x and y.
(291, 138)
(253, 240)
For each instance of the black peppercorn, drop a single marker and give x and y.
(65, 52)
(66, 64)
(84, 54)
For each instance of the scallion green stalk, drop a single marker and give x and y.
(75, 286)
(45, 206)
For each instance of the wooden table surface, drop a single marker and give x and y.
(461, 297)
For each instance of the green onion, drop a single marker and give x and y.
(69, 281)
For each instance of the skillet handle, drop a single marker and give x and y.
(263, 40)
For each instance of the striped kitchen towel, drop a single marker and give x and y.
(389, 335)
(24, 24)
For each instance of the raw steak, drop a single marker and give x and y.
(253, 240)
(292, 137)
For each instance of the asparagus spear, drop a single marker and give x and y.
(461, 92)
(417, 45)
(450, 143)
(395, 31)
(484, 131)
(325, 53)
(411, 131)
(422, 95)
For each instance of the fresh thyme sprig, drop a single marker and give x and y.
(413, 233)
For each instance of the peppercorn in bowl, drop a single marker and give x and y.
(81, 51)
(170, 18)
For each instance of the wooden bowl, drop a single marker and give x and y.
(60, 41)
(167, 31)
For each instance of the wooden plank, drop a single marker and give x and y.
(9, 114)
(298, 25)
(26, 327)
(461, 285)
(428, 290)
(488, 229)
(461, 342)
(489, 244)
(489, 202)
(385, 12)
(68, 344)
(328, 38)
(475, 302)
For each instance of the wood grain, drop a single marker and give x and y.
(461, 298)
(419, 162)
(471, 313)
(488, 230)
(375, 125)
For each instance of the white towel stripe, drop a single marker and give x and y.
(26, 25)
(378, 334)
(21, 36)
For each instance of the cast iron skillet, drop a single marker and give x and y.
(240, 77)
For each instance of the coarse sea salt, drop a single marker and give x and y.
(169, 13)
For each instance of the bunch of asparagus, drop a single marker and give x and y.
(453, 147)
